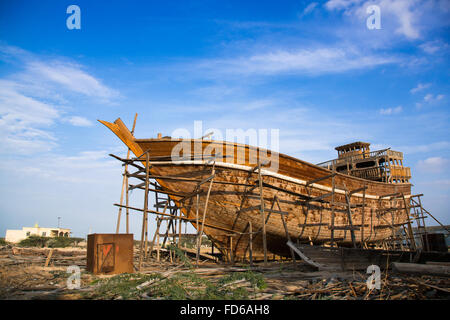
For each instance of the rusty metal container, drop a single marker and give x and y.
(110, 253)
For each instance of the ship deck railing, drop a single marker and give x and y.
(365, 156)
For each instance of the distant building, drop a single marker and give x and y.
(16, 236)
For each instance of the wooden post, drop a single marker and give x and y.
(286, 230)
(125, 183)
(332, 207)
(157, 241)
(363, 223)
(179, 230)
(427, 246)
(196, 224)
(408, 221)
(349, 215)
(49, 257)
(251, 243)
(158, 224)
(263, 216)
(144, 218)
(231, 250)
(213, 172)
(127, 209)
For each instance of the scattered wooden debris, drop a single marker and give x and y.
(24, 275)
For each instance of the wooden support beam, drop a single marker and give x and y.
(349, 217)
(144, 216)
(303, 256)
(408, 222)
(252, 208)
(320, 197)
(357, 190)
(183, 218)
(344, 228)
(205, 209)
(301, 196)
(189, 180)
(125, 184)
(395, 195)
(321, 178)
(313, 224)
(263, 216)
(251, 243)
(288, 237)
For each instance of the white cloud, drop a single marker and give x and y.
(429, 99)
(435, 46)
(71, 77)
(78, 121)
(35, 98)
(304, 61)
(433, 165)
(405, 13)
(420, 87)
(424, 148)
(84, 167)
(341, 4)
(310, 8)
(390, 111)
(22, 119)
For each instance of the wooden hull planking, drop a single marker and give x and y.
(307, 221)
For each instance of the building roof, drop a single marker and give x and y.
(358, 144)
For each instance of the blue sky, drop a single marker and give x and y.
(311, 69)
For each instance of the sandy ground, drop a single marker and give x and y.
(24, 276)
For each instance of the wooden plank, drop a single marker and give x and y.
(250, 243)
(49, 257)
(288, 237)
(204, 210)
(438, 270)
(313, 224)
(349, 217)
(357, 190)
(320, 197)
(266, 210)
(144, 216)
(320, 179)
(303, 256)
(194, 251)
(263, 216)
(125, 183)
(344, 228)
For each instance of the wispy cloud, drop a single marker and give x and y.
(390, 111)
(302, 61)
(405, 13)
(420, 87)
(309, 8)
(78, 121)
(71, 77)
(430, 99)
(433, 164)
(35, 98)
(424, 148)
(435, 46)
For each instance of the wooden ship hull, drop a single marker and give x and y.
(313, 201)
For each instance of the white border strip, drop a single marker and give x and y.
(265, 173)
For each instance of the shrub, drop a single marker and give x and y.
(34, 241)
(56, 242)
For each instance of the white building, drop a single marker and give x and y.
(16, 236)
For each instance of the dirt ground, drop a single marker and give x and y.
(23, 275)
